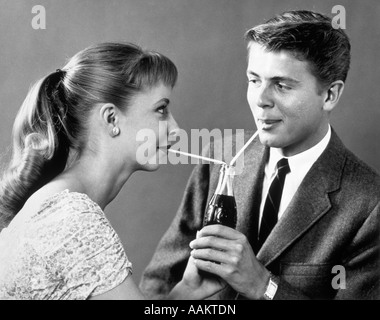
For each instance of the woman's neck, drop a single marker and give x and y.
(96, 178)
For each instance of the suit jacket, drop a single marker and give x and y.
(325, 246)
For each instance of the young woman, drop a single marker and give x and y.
(74, 147)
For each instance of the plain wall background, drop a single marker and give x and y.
(205, 40)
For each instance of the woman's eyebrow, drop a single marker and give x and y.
(166, 100)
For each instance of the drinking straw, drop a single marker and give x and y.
(218, 161)
(196, 156)
(244, 147)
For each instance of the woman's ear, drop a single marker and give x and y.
(109, 116)
(333, 95)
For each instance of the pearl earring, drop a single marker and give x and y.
(115, 131)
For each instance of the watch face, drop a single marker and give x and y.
(271, 289)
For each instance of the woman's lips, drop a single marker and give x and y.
(164, 148)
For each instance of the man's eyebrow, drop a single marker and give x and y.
(275, 79)
(285, 79)
(251, 73)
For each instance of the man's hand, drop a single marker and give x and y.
(227, 253)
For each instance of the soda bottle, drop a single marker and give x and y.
(222, 206)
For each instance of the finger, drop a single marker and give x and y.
(219, 231)
(212, 255)
(212, 242)
(209, 266)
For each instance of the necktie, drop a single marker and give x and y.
(272, 203)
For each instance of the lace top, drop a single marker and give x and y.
(66, 250)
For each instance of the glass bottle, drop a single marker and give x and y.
(222, 206)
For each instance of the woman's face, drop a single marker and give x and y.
(145, 127)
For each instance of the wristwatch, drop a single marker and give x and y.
(271, 289)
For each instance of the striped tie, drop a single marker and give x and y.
(272, 203)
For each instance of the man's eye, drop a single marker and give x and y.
(282, 86)
(253, 81)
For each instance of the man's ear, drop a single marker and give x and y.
(333, 95)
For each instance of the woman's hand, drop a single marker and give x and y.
(196, 285)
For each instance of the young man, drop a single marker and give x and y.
(317, 235)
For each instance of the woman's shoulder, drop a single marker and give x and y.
(69, 203)
(57, 203)
(66, 196)
(74, 228)
(63, 219)
(70, 238)
(64, 205)
(87, 248)
(72, 213)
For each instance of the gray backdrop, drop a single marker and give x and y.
(205, 40)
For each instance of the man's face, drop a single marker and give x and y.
(285, 101)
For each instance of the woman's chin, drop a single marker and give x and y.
(151, 167)
(153, 163)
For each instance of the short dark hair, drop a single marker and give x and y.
(309, 36)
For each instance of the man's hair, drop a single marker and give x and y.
(309, 36)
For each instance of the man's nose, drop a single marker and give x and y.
(264, 98)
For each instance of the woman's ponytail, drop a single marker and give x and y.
(40, 145)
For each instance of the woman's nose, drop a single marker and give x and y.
(173, 128)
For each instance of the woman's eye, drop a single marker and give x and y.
(162, 109)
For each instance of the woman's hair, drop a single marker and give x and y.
(52, 120)
(310, 36)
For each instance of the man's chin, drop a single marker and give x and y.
(270, 141)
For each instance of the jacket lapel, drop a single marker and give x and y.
(310, 202)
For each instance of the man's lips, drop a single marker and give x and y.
(269, 121)
(267, 124)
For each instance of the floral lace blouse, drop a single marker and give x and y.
(67, 250)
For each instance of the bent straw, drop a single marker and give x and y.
(196, 156)
(244, 147)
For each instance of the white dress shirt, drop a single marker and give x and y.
(299, 165)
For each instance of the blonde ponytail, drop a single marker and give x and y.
(40, 147)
